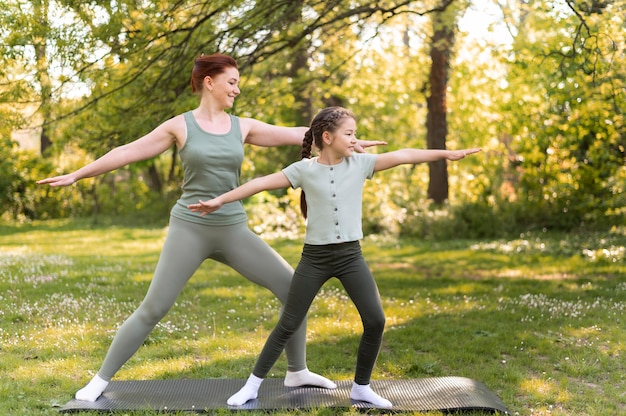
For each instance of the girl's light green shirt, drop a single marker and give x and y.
(334, 195)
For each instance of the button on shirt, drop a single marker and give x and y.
(334, 195)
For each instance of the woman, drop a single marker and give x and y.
(333, 183)
(210, 143)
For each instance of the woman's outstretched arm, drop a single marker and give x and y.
(263, 134)
(152, 144)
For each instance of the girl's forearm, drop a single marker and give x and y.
(241, 192)
(254, 186)
(415, 156)
(424, 155)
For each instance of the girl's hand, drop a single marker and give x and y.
(205, 207)
(361, 145)
(62, 180)
(460, 154)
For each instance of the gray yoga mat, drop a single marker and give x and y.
(203, 395)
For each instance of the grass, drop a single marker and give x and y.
(538, 319)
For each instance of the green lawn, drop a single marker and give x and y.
(539, 319)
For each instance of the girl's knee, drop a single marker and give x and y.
(287, 328)
(375, 324)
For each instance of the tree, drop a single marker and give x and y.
(565, 106)
(40, 44)
(131, 61)
(441, 45)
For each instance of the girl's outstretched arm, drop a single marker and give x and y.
(264, 183)
(413, 156)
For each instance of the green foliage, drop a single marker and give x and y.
(276, 215)
(118, 193)
(548, 109)
(567, 137)
(19, 196)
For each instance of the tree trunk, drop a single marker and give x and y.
(436, 122)
(154, 178)
(302, 110)
(302, 107)
(39, 44)
(172, 174)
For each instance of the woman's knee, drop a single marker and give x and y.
(151, 313)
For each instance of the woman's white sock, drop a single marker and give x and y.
(364, 393)
(92, 390)
(307, 378)
(248, 392)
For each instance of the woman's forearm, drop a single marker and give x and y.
(112, 160)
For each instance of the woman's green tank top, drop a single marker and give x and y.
(211, 165)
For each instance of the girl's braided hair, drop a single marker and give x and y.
(327, 119)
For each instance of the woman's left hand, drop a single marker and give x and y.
(460, 154)
(361, 145)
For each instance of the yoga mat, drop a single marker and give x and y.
(445, 394)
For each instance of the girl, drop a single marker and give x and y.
(332, 190)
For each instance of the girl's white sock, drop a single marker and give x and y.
(248, 392)
(364, 393)
(92, 390)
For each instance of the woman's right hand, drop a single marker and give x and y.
(62, 180)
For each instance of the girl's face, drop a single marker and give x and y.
(224, 87)
(342, 140)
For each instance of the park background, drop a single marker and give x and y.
(539, 85)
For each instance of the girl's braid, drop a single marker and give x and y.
(307, 143)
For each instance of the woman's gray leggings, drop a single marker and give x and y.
(186, 246)
(318, 265)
